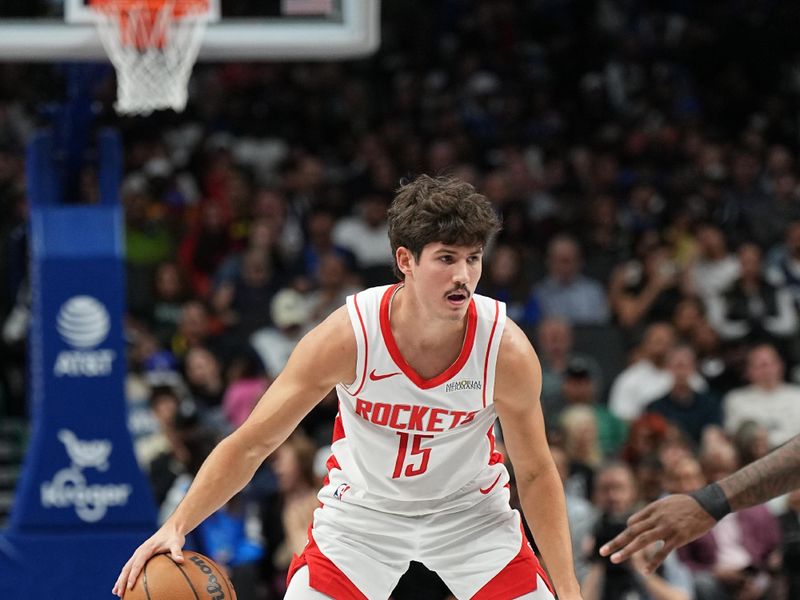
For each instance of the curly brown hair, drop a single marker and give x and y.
(439, 209)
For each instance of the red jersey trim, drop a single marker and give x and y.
(489, 349)
(332, 462)
(338, 429)
(323, 575)
(494, 456)
(366, 347)
(394, 351)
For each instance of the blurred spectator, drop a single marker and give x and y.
(717, 455)
(554, 344)
(290, 314)
(713, 269)
(170, 292)
(195, 328)
(204, 378)
(604, 238)
(752, 307)
(241, 302)
(579, 426)
(148, 241)
(578, 389)
(645, 437)
(684, 476)
(767, 400)
(643, 210)
(647, 378)
(690, 410)
(719, 366)
(649, 472)
(565, 292)
(319, 241)
(687, 317)
(260, 241)
(164, 403)
(149, 368)
(505, 280)
(204, 247)
(190, 447)
(751, 441)
(186, 436)
(615, 496)
(271, 207)
(246, 383)
(646, 290)
(745, 203)
(784, 261)
(335, 283)
(366, 235)
(675, 447)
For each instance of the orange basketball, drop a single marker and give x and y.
(197, 578)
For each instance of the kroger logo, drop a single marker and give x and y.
(83, 323)
(70, 488)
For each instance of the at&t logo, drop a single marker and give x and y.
(69, 487)
(83, 323)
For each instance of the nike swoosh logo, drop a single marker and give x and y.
(374, 377)
(491, 487)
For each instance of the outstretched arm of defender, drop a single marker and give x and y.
(678, 519)
(323, 358)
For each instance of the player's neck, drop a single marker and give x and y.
(409, 316)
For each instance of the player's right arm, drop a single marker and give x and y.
(323, 358)
(678, 519)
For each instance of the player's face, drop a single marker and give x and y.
(447, 276)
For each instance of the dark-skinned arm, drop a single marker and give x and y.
(678, 519)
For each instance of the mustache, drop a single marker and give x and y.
(461, 288)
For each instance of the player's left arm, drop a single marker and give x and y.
(518, 383)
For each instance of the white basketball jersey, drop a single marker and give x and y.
(411, 445)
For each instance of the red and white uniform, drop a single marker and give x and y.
(414, 474)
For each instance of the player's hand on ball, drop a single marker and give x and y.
(162, 541)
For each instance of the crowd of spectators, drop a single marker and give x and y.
(644, 158)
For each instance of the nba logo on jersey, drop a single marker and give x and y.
(341, 490)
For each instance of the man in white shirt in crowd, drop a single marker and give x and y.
(647, 378)
(768, 400)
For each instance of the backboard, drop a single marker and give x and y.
(59, 30)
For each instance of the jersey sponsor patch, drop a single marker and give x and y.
(463, 384)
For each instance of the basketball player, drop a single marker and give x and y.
(678, 519)
(422, 369)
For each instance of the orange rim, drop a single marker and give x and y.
(179, 7)
(138, 18)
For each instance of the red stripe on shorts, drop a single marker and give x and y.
(323, 575)
(517, 578)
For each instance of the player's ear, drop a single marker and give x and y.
(405, 259)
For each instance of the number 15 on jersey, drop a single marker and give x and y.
(412, 467)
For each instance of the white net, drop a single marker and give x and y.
(153, 51)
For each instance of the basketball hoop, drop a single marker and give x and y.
(153, 45)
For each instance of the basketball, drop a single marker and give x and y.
(198, 578)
